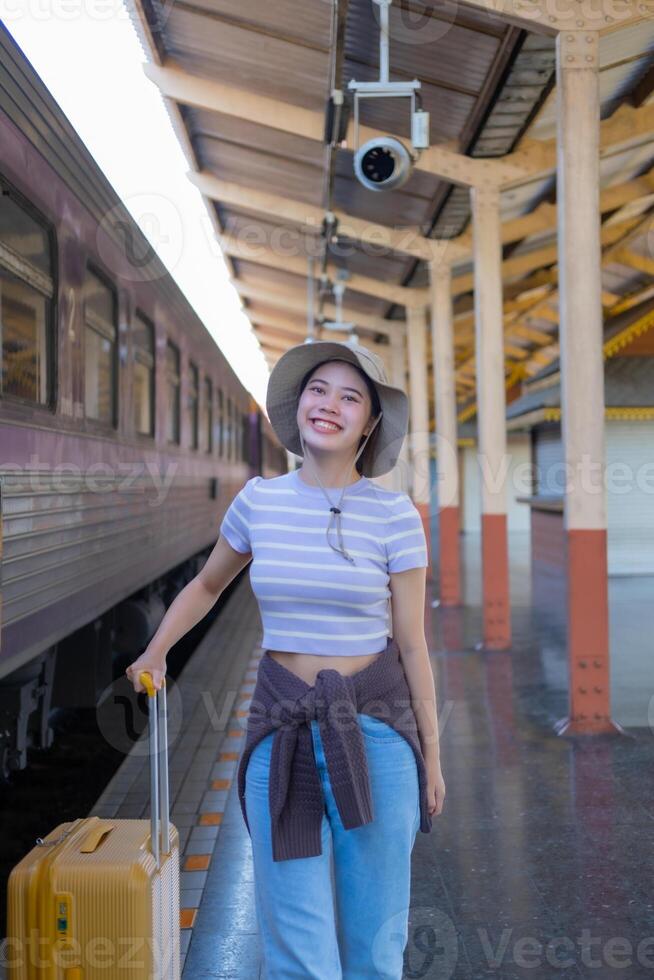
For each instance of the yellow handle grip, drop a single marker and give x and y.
(145, 678)
(94, 837)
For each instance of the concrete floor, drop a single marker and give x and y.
(539, 624)
(540, 865)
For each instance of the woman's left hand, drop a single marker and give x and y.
(435, 788)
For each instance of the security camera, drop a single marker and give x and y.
(382, 164)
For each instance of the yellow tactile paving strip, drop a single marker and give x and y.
(199, 863)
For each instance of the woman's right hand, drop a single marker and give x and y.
(155, 666)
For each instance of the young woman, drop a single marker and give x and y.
(341, 763)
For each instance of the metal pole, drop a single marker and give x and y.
(154, 778)
(383, 39)
(163, 771)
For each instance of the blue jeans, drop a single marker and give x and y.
(343, 913)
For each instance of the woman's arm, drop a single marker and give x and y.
(190, 605)
(408, 615)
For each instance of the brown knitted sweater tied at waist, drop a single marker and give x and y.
(285, 704)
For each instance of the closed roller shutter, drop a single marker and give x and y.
(630, 497)
(549, 460)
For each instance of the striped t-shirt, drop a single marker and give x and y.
(312, 599)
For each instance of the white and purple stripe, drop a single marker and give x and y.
(310, 598)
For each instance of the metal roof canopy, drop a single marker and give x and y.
(246, 85)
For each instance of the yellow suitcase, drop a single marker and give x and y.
(99, 899)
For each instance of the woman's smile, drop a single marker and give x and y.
(322, 425)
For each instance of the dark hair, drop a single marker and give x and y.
(374, 398)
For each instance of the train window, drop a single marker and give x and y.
(173, 393)
(236, 430)
(245, 442)
(144, 376)
(99, 349)
(236, 447)
(228, 415)
(208, 414)
(193, 404)
(230, 437)
(237, 433)
(26, 294)
(221, 423)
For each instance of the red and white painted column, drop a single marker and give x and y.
(582, 380)
(416, 333)
(447, 463)
(491, 414)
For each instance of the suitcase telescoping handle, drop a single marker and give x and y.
(158, 745)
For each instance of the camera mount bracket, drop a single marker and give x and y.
(394, 157)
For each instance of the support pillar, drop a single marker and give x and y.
(491, 415)
(419, 419)
(582, 380)
(398, 376)
(447, 462)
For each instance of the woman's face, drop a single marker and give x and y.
(337, 393)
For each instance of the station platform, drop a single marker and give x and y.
(207, 709)
(539, 865)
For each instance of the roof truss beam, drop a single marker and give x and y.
(545, 17)
(295, 302)
(175, 83)
(408, 241)
(298, 265)
(627, 127)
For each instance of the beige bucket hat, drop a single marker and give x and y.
(283, 395)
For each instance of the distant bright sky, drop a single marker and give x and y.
(90, 58)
